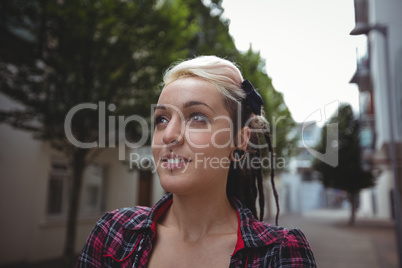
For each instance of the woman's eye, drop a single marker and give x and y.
(160, 120)
(198, 118)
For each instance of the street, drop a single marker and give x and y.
(370, 243)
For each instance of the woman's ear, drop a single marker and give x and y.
(243, 138)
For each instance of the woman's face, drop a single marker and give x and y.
(192, 140)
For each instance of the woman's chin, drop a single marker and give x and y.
(176, 184)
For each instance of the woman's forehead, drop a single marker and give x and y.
(190, 89)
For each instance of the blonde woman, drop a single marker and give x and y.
(207, 149)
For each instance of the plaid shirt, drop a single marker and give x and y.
(123, 238)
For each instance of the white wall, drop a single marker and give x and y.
(27, 234)
(387, 13)
(380, 195)
(290, 193)
(383, 199)
(23, 181)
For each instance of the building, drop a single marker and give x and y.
(379, 64)
(378, 76)
(33, 194)
(300, 191)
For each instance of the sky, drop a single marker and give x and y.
(309, 53)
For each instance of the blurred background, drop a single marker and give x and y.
(72, 72)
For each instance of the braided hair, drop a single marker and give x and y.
(245, 178)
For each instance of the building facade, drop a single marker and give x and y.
(35, 181)
(300, 190)
(379, 65)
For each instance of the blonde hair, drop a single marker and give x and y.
(222, 73)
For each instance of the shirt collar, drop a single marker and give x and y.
(254, 233)
(251, 232)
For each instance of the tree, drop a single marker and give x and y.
(56, 55)
(213, 37)
(348, 175)
(76, 52)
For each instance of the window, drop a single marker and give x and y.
(145, 188)
(57, 195)
(92, 190)
(92, 195)
(55, 204)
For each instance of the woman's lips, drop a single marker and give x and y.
(174, 161)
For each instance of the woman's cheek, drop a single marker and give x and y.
(213, 140)
(220, 138)
(157, 144)
(199, 139)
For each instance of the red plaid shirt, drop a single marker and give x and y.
(123, 238)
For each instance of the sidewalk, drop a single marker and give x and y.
(370, 243)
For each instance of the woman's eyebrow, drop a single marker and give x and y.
(186, 105)
(193, 103)
(160, 107)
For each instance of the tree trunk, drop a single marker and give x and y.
(268, 210)
(353, 207)
(74, 194)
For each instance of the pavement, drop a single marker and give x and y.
(369, 243)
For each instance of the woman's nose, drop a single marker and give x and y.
(174, 132)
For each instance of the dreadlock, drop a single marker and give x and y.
(245, 180)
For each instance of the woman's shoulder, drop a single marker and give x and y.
(135, 218)
(282, 232)
(275, 234)
(282, 246)
(265, 234)
(127, 217)
(116, 229)
(257, 233)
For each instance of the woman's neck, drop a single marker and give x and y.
(196, 216)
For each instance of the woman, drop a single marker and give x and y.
(206, 148)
